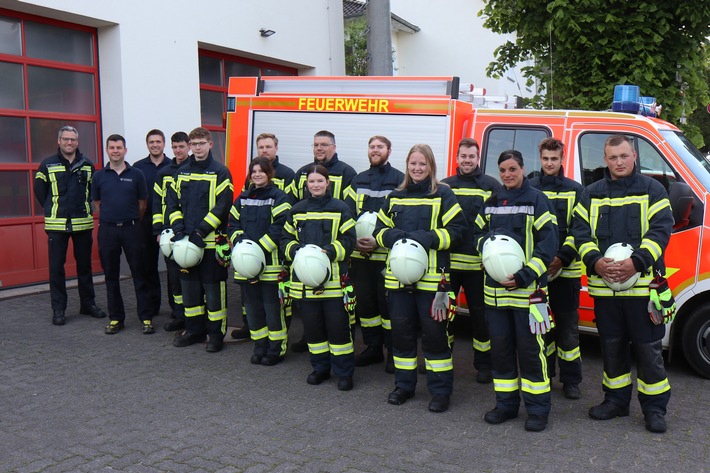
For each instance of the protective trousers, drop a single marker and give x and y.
(472, 283)
(266, 322)
(513, 345)
(563, 340)
(371, 308)
(623, 323)
(113, 239)
(204, 293)
(58, 243)
(151, 253)
(174, 289)
(411, 311)
(326, 328)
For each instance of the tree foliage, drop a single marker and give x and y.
(356, 55)
(579, 49)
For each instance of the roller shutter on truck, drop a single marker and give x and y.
(352, 131)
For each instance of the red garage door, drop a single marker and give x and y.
(49, 73)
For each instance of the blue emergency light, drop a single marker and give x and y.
(628, 99)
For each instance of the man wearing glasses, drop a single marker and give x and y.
(324, 153)
(198, 206)
(62, 187)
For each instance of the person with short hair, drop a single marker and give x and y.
(151, 165)
(366, 193)
(62, 186)
(565, 271)
(424, 210)
(324, 153)
(472, 187)
(626, 207)
(198, 207)
(180, 144)
(120, 196)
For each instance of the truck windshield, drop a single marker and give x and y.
(697, 162)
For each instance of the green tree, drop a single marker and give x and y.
(579, 49)
(701, 117)
(356, 55)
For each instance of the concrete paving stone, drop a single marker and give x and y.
(111, 402)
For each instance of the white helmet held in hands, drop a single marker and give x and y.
(166, 242)
(408, 261)
(365, 224)
(248, 259)
(311, 265)
(186, 254)
(618, 252)
(502, 256)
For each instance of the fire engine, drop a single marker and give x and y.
(433, 110)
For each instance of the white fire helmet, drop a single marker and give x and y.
(408, 261)
(618, 252)
(502, 256)
(248, 259)
(311, 265)
(186, 254)
(365, 225)
(166, 242)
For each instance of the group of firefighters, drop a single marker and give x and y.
(297, 245)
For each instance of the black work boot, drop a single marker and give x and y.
(58, 317)
(370, 356)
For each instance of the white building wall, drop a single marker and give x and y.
(451, 42)
(148, 51)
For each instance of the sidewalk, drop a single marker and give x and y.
(75, 400)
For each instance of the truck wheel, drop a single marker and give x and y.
(696, 340)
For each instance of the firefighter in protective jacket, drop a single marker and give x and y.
(564, 272)
(626, 207)
(198, 206)
(426, 211)
(326, 222)
(524, 214)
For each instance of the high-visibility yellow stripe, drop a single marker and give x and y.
(439, 366)
(405, 363)
(654, 389)
(505, 385)
(318, 348)
(618, 382)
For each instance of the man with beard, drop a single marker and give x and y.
(366, 194)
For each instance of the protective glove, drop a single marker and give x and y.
(661, 306)
(443, 306)
(540, 318)
(223, 250)
(197, 239)
(284, 280)
(178, 236)
(349, 297)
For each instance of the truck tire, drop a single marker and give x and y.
(696, 340)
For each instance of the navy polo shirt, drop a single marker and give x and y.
(119, 193)
(150, 171)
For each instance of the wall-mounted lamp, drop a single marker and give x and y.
(266, 33)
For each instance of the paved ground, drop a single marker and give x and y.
(75, 400)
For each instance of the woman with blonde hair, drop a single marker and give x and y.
(425, 211)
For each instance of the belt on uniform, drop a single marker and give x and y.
(128, 223)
